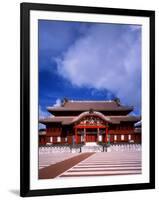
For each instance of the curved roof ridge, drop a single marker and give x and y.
(83, 101)
(88, 113)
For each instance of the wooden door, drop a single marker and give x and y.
(91, 138)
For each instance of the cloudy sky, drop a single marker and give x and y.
(89, 61)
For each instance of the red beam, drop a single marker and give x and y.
(78, 126)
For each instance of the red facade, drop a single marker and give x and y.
(90, 121)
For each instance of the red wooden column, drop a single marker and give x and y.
(97, 135)
(76, 135)
(84, 135)
(106, 133)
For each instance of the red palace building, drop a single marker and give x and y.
(81, 122)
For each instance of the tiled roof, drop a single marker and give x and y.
(138, 124)
(125, 118)
(87, 105)
(71, 120)
(63, 120)
(138, 130)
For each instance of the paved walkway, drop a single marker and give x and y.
(50, 158)
(95, 164)
(55, 170)
(106, 164)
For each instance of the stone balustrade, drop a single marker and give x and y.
(85, 148)
(124, 147)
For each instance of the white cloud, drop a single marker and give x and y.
(42, 113)
(58, 103)
(107, 57)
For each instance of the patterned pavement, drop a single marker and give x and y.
(106, 164)
(54, 170)
(49, 158)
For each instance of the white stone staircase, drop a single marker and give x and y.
(91, 147)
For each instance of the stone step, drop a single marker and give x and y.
(91, 144)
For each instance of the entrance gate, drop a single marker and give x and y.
(91, 129)
(91, 138)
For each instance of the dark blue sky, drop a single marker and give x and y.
(88, 61)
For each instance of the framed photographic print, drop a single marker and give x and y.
(87, 99)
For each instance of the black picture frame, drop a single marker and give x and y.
(25, 9)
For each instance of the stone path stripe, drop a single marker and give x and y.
(54, 170)
(100, 174)
(100, 166)
(90, 164)
(104, 169)
(105, 164)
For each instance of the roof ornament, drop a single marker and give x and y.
(117, 100)
(91, 111)
(64, 101)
